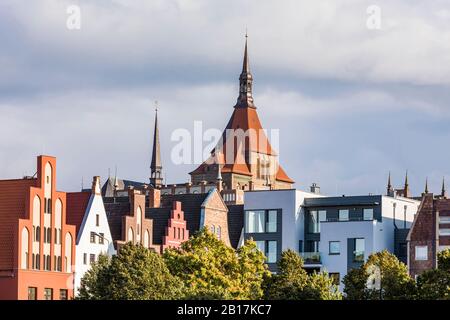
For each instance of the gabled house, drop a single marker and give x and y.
(87, 212)
(37, 244)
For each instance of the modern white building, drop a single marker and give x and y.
(334, 234)
(87, 212)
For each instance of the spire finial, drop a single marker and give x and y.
(406, 179)
(426, 185)
(156, 106)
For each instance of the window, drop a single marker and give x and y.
(368, 214)
(422, 253)
(334, 247)
(336, 277)
(63, 294)
(91, 258)
(92, 237)
(271, 224)
(48, 294)
(444, 220)
(358, 253)
(213, 229)
(311, 246)
(444, 232)
(261, 245)
(314, 220)
(182, 231)
(255, 221)
(97, 220)
(49, 206)
(269, 248)
(219, 232)
(343, 215)
(32, 293)
(38, 234)
(38, 262)
(101, 239)
(271, 251)
(84, 258)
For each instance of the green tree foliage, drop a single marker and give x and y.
(209, 269)
(444, 260)
(387, 276)
(435, 284)
(293, 283)
(135, 273)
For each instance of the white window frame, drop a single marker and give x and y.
(418, 255)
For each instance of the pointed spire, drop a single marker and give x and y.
(406, 191)
(426, 185)
(389, 188)
(444, 191)
(156, 167)
(245, 98)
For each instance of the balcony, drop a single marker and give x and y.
(311, 257)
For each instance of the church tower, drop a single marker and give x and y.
(244, 156)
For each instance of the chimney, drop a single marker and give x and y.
(96, 185)
(154, 198)
(314, 188)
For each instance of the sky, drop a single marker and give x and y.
(352, 102)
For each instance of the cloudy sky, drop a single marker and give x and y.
(351, 102)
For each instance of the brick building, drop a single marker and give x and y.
(430, 232)
(37, 246)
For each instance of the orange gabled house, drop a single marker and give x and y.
(37, 247)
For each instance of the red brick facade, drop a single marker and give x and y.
(37, 252)
(424, 233)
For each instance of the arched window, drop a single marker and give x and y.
(146, 239)
(139, 223)
(68, 252)
(130, 235)
(219, 232)
(24, 246)
(213, 229)
(38, 234)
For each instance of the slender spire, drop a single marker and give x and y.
(406, 192)
(389, 186)
(444, 191)
(156, 167)
(426, 185)
(245, 98)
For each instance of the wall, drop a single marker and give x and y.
(84, 245)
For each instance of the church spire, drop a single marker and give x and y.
(156, 167)
(426, 185)
(444, 191)
(245, 98)
(406, 192)
(390, 190)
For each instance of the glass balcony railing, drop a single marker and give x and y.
(311, 257)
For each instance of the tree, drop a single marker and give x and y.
(135, 273)
(355, 282)
(383, 276)
(434, 285)
(293, 283)
(94, 284)
(209, 269)
(444, 260)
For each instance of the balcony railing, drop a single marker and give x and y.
(311, 257)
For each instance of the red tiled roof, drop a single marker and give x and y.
(77, 203)
(13, 195)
